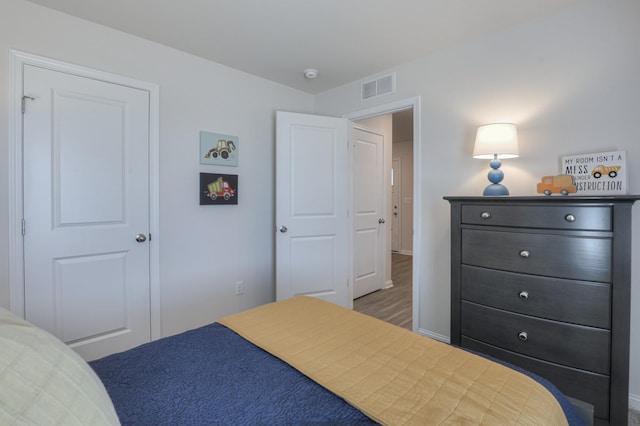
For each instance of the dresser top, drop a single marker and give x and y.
(627, 199)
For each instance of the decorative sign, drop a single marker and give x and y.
(600, 173)
(219, 149)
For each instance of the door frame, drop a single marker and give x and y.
(417, 179)
(17, 61)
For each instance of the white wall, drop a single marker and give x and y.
(203, 250)
(569, 81)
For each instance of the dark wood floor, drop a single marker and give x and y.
(394, 304)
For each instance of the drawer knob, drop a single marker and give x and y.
(485, 215)
(570, 218)
(524, 253)
(524, 295)
(523, 336)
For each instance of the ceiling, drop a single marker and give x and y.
(345, 40)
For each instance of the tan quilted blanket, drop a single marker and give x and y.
(394, 376)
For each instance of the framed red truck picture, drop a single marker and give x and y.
(218, 189)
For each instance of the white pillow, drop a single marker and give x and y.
(43, 382)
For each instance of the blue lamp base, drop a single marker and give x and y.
(495, 176)
(495, 189)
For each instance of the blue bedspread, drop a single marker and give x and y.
(212, 376)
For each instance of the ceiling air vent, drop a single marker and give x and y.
(378, 87)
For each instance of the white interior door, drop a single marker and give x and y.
(396, 208)
(86, 198)
(312, 203)
(369, 218)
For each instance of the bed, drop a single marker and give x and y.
(297, 362)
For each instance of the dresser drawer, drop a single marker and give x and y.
(583, 385)
(573, 257)
(549, 217)
(578, 302)
(578, 346)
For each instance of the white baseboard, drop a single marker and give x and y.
(388, 284)
(634, 402)
(440, 337)
(406, 252)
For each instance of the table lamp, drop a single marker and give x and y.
(496, 141)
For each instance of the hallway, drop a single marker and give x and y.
(393, 305)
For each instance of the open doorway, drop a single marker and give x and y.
(394, 302)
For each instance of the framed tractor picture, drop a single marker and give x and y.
(218, 189)
(218, 149)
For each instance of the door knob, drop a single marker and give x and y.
(141, 238)
(283, 229)
(381, 220)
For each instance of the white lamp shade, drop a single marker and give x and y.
(500, 139)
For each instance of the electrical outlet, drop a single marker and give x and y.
(239, 288)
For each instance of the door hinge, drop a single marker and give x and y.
(23, 107)
(23, 227)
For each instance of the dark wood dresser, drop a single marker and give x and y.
(545, 283)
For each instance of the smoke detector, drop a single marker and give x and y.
(310, 73)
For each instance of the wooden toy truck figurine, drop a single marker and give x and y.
(563, 184)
